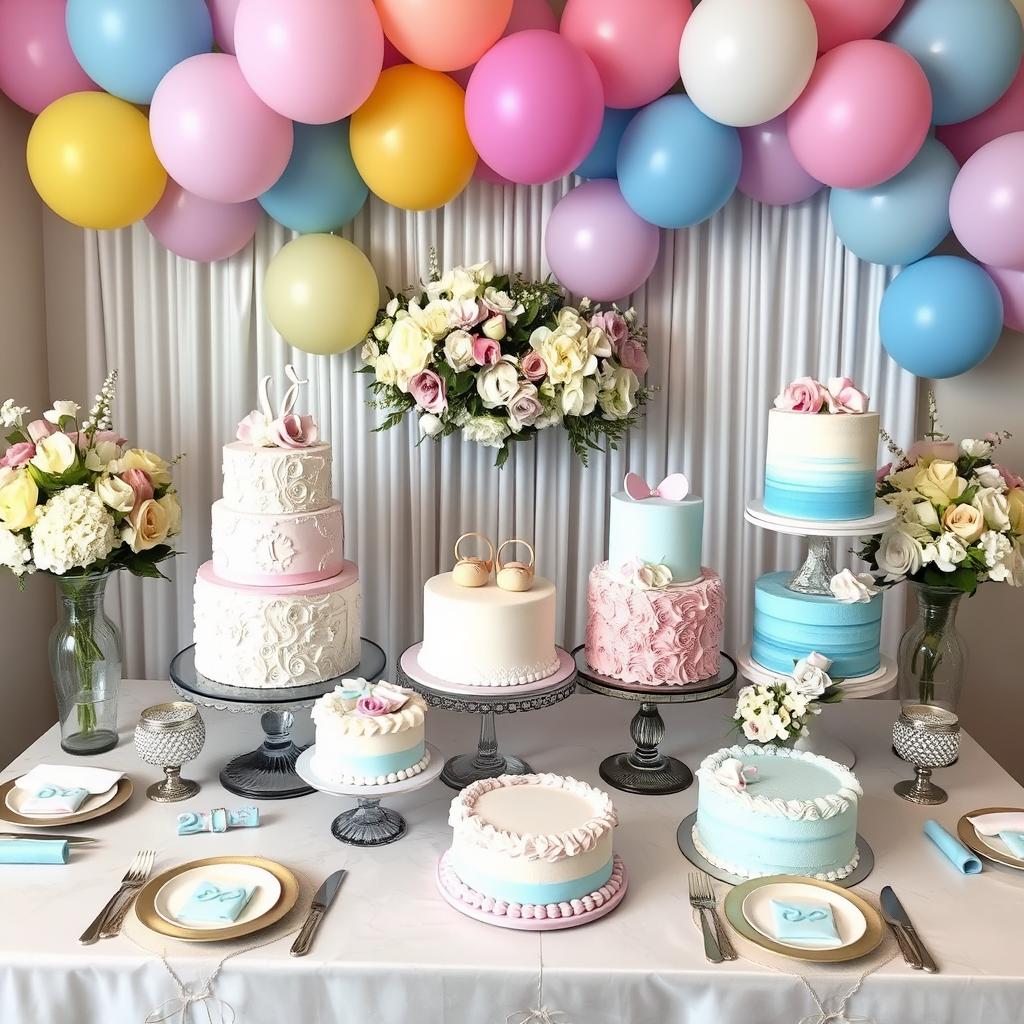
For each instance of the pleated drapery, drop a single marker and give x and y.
(736, 308)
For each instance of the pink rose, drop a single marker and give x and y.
(429, 391)
(931, 450)
(466, 313)
(883, 472)
(533, 366)
(253, 429)
(614, 325)
(633, 356)
(1012, 480)
(844, 397)
(18, 454)
(138, 480)
(485, 351)
(292, 431)
(38, 429)
(805, 394)
(372, 707)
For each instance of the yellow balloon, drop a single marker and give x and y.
(92, 162)
(321, 294)
(409, 139)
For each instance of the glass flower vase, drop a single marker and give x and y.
(85, 662)
(932, 656)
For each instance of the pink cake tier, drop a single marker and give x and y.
(268, 550)
(668, 636)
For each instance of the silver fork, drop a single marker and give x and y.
(702, 892)
(134, 878)
(711, 949)
(112, 927)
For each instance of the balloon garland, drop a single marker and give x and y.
(198, 115)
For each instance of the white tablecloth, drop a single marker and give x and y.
(392, 952)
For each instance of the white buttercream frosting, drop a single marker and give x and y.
(338, 710)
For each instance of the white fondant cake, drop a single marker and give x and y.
(369, 735)
(797, 814)
(277, 480)
(486, 636)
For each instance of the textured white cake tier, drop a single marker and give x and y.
(262, 549)
(486, 636)
(277, 480)
(276, 636)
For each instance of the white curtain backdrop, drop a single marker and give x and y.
(736, 308)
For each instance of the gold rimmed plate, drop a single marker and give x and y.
(122, 795)
(145, 904)
(982, 845)
(868, 942)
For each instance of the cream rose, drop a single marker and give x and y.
(433, 318)
(409, 348)
(924, 512)
(564, 353)
(964, 521)
(579, 396)
(55, 454)
(156, 468)
(458, 350)
(497, 384)
(370, 352)
(172, 506)
(147, 526)
(101, 455)
(19, 500)
(384, 370)
(992, 504)
(899, 554)
(383, 329)
(115, 493)
(939, 483)
(1015, 509)
(618, 389)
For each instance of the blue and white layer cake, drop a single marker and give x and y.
(532, 839)
(656, 530)
(795, 815)
(369, 734)
(821, 466)
(788, 626)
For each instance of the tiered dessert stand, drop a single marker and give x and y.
(487, 701)
(646, 770)
(813, 577)
(268, 772)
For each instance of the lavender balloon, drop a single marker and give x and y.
(770, 172)
(596, 245)
(200, 229)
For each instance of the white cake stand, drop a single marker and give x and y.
(369, 824)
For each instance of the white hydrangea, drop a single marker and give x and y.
(15, 553)
(73, 531)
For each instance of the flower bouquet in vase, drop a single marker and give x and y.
(77, 503)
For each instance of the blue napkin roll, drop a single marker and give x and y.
(33, 851)
(805, 921)
(956, 853)
(1015, 841)
(211, 904)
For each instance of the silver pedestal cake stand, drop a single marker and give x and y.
(268, 772)
(487, 762)
(646, 770)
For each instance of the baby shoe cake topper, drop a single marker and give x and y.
(262, 429)
(734, 774)
(674, 487)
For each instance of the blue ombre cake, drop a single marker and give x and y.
(660, 531)
(797, 815)
(821, 466)
(788, 626)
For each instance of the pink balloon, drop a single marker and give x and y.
(596, 245)
(1011, 286)
(842, 21)
(770, 173)
(1006, 115)
(986, 206)
(213, 134)
(222, 14)
(863, 116)
(534, 106)
(315, 61)
(199, 229)
(634, 46)
(36, 62)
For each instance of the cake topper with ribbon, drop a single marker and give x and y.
(674, 487)
(262, 429)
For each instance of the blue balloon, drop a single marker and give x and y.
(904, 218)
(969, 49)
(941, 317)
(600, 161)
(127, 46)
(676, 166)
(320, 189)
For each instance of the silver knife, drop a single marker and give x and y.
(70, 840)
(321, 902)
(897, 918)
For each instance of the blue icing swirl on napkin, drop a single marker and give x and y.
(805, 922)
(50, 797)
(210, 904)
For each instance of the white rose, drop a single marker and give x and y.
(988, 476)
(463, 285)
(579, 396)
(55, 454)
(486, 430)
(383, 329)
(60, 410)
(998, 553)
(497, 384)
(618, 391)
(992, 504)
(101, 455)
(494, 328)
(598, 343)
(434, 318)
(899, 554)
(15, 553)
(11, 415)
(564, 351)
(392, 307)
(853, 588)
(430, 425)
(947, 552)
(926, 514)
(458, 350)
(370, 352)
(384, 369)
(502, 302)
(115, 493)
(482, 272)
(977, 449)
(409, 348)
(650, 575)
(810, 675)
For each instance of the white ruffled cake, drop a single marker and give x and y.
(278, 605)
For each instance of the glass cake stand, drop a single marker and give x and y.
(268, 772)
(646, 770)
(487, 762)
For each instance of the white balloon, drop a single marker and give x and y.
(744, 62)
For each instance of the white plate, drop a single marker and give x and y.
(757, 909)
(997, 844)
(174, 894)
(16, 797)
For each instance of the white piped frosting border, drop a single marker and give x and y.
(382, 780)
(534, 846)
(847, 794)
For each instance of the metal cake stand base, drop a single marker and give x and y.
(646, 770)
(268, 772)
(487, 762)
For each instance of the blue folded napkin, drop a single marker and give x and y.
(1015, 841)
(806, 922)
(956, 853)
(210, 904)
(53, 799)
(33, 851)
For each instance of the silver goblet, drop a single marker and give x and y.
(927, 737)
(168, 736)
